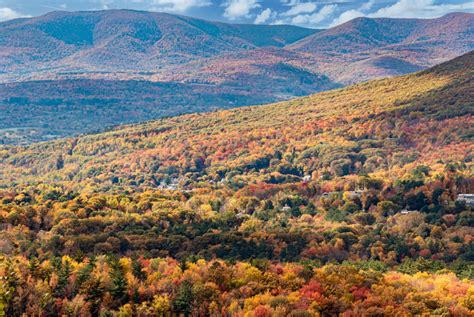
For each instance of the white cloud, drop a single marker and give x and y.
(279, 22)
(420, 9)
(368, 5)
(404, 9)
(9, 14)
(105, 4)
(347, 16)
(235, 9)
(354, 13)
(263, 16)
(316, 18)
(180, 5)
(298, 8)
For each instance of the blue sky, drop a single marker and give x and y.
(308, 13)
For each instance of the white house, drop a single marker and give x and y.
(468, 199)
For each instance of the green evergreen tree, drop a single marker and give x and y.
(137, 269)
(83, 275)
(94, 291)
(34, 267)
(184, 299)
(8, 285)
(64, 273)
(119, 282)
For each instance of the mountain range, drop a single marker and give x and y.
(351, 202)
(126, 41)
(79, 72)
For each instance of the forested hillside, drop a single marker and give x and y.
(44, 110)
(382, 126)
(126, 40)
(342, 202)
(83, 72)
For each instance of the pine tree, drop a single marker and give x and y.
(8, 285)
(83, 275)
(119, 282)
(94, 291)
(64, 272)
(34, 267)
(183, 265)
(137, 269)
(184, 298)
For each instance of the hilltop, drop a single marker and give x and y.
(367, 34)
(366, 48)
(126, 44)
(93, 70)
(126, 40)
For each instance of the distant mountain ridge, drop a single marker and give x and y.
(355, 51)
(108, 61)
(127, 40)
(125, 43)
(363, 34)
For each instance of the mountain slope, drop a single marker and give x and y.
(126, 40)
(384, 126)
(93, 70)
(365, 48)
(125, 43)
(365, 34)
(342, 203)
(65, 107)
(360, 34)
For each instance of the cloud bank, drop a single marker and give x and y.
(9, 14)
(306, 13)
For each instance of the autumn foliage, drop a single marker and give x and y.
(343, 203)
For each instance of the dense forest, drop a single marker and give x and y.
(341, 203)
(64, 73)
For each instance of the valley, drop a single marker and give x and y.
(154, 164)
(219, 65)
(356, 187)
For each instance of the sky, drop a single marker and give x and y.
(307, 13)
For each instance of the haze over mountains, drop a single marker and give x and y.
(81, 72)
